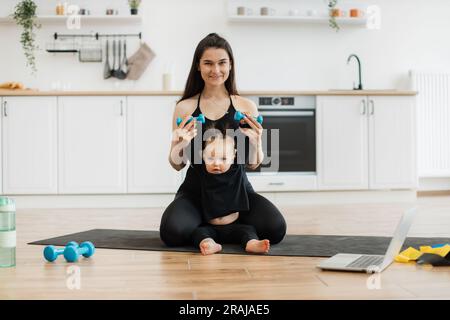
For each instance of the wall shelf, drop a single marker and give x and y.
(296, 19)
(86, 18)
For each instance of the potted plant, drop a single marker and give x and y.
(134, 6)
(333, 13)
(25, 16)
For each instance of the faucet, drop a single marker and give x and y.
(360, 87)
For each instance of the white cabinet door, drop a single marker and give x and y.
(149, 131)
(29, 145)
(392, 142)
(92, 150)
(342, 162)
(2, 101)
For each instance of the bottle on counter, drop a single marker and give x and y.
(167, 80)
(7, 232)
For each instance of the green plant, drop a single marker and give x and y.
(332, 21)
(134, 4)
(25, 16)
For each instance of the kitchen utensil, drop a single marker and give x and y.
(125, 59)
(120, 74)
(107, 69)
(63, 45)
(113, 70)
(91, 51)
(124, 62)
(90, 55)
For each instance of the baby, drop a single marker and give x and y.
(224, 197)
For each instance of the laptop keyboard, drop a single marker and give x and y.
(366, 261)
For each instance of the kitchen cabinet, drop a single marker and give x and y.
(29, 132)
(114, 144)
(1, 136)
(92, 144)
(149, 134)
(392, 142)
(342, 138)
(366, 142)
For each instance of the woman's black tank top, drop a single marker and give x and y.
(220, 194)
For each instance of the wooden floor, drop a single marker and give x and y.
(123, 274)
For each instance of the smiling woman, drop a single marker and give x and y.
(211, 90)
(213, 61)
(214, 70)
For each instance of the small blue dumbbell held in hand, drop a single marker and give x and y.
(238, 116)
(200, 118)
(86, 249)
(51, 253)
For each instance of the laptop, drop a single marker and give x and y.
(372, 263)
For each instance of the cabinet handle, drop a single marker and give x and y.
(276, 183)
(121, 108)
(372, 111)
(364, 107)
(5, 111)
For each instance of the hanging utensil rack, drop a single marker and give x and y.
(95, 36)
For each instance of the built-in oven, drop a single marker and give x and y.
(289, 142)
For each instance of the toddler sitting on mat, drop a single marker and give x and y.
(224, 198)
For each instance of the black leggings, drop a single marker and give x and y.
(228, 233)
(184, 215)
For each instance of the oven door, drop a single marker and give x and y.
(296, 149)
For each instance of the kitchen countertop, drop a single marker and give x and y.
(339, 92)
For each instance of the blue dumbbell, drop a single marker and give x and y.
(200, 118)
(51, 253)
(86, 249)
(238, 116)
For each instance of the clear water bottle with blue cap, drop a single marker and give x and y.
(7, 232)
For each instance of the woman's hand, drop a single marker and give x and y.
(183, 135)
(254, 133)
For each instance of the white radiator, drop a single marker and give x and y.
(433, 123)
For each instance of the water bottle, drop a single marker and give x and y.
(7, 232)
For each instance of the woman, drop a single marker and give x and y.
(211, 90)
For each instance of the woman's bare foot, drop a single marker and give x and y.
(209, 246)
(258, 246)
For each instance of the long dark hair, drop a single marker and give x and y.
(195, 82)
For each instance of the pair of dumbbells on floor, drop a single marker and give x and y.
(238, 116)
(71, 252)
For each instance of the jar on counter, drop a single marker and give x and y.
(60, 9)
(336, 12)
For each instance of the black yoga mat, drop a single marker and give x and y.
(292, 245)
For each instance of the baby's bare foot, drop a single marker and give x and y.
(209, 246)
(258, 246)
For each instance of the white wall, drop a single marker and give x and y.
(413, 34)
